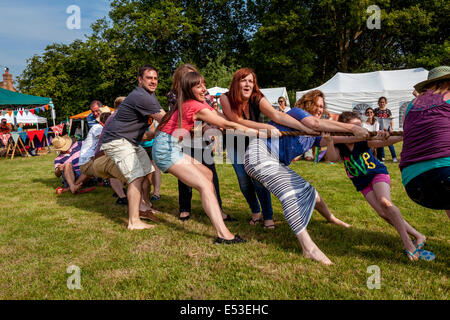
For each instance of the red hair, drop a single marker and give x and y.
(234, 94)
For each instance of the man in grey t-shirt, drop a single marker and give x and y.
(121, 138)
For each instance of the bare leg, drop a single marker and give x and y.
(117, 186)
(196, 176)
(145, 198)
(374, 202)
(322, 207)
(134, 200)
(69, 175)
(311, 250)
(156, 180)
(381, 195)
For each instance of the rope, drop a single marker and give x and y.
(345, 134)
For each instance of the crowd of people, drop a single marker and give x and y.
(139, 141)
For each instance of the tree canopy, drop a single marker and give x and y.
(296, 44)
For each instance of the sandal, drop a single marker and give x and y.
(236, 239)
(185, 218)
(418, 245)
(423, 254)
(155, 198)
(254, 222)
(270, 226)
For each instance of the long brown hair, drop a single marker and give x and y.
(179, 72)
(186, 83)
(308, 101)
(373, 117)
(234, 94)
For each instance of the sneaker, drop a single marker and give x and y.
(122, 201)
(237, 239)
(394, 160)
(155, 198)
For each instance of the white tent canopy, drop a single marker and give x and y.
(272, 94)
(348, 91)
(214, 91)
(24, 118)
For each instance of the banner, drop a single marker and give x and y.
(31, 135)
(58, 129)
(23, 136)
(40, 134)
(5, 138)
(15, 136)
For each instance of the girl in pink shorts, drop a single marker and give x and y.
(371, 177)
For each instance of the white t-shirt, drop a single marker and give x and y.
(371, 127)
(90, 143)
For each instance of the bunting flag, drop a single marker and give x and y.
(40, 134)
(46, 131)
(15, 136)
(4, 112)
(46, 107)
(23, 136)
(21, 112)
(31, 134)
(26, 112)
(10, 113)
(32, 111)
(15, 113)
(58, 129)
(42, 108)
(36, 110)
(5, 138)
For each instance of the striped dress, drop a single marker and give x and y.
(296, 195)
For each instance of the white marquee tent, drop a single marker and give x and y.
(272, 94)
(217, 91)
(24, 118)
(348, 91)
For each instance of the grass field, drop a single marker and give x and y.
(42, 234)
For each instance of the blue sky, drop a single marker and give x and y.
(28, 26)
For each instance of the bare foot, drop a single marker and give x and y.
(139, 225)
(338, 222)
(420, 240)
(74, 188)
(317, 255)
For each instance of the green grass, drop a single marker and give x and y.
(42, 233)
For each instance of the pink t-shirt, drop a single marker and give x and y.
(190, 108)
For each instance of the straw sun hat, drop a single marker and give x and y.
(62, 143)
(436, 74)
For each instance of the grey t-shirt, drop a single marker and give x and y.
(131, 120)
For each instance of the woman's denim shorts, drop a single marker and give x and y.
(166, 151)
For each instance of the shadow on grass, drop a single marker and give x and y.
(334, 241)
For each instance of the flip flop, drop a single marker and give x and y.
(423, 254)
(418, 245)
(254, 222)
(270, 226)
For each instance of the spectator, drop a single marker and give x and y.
(95, 107)
(383, 113)
(5, 127)
(282, 105)
(371, 124)
(66, 163)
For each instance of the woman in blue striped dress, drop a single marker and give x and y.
(267, 161)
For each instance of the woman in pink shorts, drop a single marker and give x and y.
(371, 177)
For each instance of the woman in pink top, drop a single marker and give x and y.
(169, 157)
